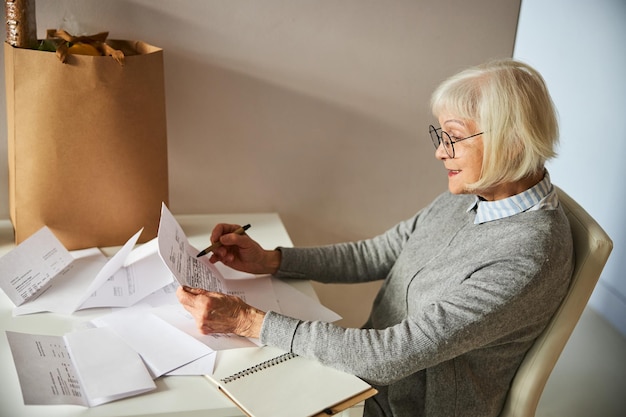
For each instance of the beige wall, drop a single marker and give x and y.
(317, 109)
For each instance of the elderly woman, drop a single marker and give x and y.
(469, 281)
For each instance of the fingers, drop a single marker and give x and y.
(222, 229)
(192, 290)
(183, 296)
(221, 254)
(186, 295)
(231, 243)
(235, 239)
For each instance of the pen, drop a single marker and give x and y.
(217, 244)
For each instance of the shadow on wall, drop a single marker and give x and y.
(331, 173)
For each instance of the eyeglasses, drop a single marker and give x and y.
(439, 136)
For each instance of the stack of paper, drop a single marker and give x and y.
(41, 275)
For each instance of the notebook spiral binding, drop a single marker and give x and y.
(256, 368)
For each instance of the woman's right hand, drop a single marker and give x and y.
(241, 252)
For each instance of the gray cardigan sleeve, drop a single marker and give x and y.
(352, 262)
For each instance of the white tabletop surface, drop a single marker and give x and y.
(180, 396)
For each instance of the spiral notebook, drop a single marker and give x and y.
(269, 382)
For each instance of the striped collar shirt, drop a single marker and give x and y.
(542, 196)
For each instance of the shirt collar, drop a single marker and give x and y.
(540, 196)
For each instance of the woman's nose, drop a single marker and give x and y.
(440, 152)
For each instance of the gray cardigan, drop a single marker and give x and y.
(460, 306)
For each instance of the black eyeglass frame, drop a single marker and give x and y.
(437, 139)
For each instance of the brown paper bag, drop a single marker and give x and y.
(87, 144)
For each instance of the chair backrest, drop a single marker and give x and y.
(592, 247)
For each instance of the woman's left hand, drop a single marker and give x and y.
(220, 313)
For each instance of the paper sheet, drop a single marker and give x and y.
(162, 346)
(180, 257)
(29, 268)
(202, 366)
(88, 367)
(67, 287)
(46, 373)
(131, 284)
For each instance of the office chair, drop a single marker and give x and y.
(592, 247)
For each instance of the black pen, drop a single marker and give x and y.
(217, 244)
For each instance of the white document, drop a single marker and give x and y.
(87, 367)
(180, 257)
(131, 284)
(67, 287)
(41, 275)
(28, 269)
(162, 346)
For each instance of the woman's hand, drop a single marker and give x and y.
(242, 253)
(220, 313)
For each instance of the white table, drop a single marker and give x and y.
(180, 396)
